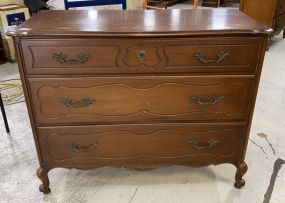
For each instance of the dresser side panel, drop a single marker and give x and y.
(258, 75)
(27, 93)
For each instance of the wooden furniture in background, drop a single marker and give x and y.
(195, 5)
(141, 96)
(270, 13)
(217, 3)
(147, 6)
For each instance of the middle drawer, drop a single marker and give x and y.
(141, 99)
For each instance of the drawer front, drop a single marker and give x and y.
(279, 24)
(140, 99)
(141, 55)
(280, 7)
(139, 143)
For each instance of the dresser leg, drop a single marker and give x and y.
(241, 170)
(284, 33)
(42, 174)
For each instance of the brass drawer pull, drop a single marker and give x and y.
(142, 56)
(77, 104)
(197, 145)
(202, 57)
(200, 99)
(77, 148)
(62, 58)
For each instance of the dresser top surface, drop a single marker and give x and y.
(169, 22)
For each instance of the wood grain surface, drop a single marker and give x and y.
(177, 90)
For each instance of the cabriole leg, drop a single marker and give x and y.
(42, 174)
(241, 170)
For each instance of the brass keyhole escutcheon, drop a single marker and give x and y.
(142, 56)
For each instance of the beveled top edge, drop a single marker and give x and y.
(139, 23)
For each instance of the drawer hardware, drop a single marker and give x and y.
(141, 56)
(62, 58)
(197, 145)
(215, 99)
(220, 57)
(87, 101)
(77, 148)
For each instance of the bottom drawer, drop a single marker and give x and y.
(141, 145)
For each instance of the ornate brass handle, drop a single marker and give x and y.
(215, 99)
(220, 57)
(62, 58)
(209, 144)
(87, 101)
(77, 148)
(141, 56)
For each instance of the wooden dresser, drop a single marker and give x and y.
(140, 89)
(267, 12)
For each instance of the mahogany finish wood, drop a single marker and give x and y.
(165, 55)
(142, 146)
(159, 23)
(140, 89)
(141, 99)
(270, 13)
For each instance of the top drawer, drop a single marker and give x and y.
(96, 56)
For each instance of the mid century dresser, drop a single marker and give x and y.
(217, 3)
(140, 89)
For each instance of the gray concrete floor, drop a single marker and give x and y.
(265, 180)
